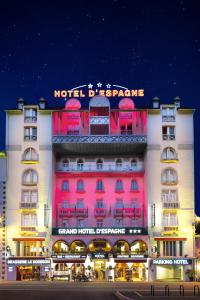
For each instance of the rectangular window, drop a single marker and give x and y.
(170, 219)
(169, 248)
(29, 220)
(119, 222)
(29, 199)
(99, 223)
(80, 223)
(30, 133)
(99, 185)
(169, 198)
(30, 115)
(181, 248)
(168, 133)
(119, 203)
(99, 203)
(168, 114)
(80, 203)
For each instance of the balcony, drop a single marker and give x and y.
(28, 228)
(31, 119)
(100, 212)
(171, 205)
(68, 212)
(118, 212)
(168, 137)
(168, 118)
(139, 167)
(170, 228)
(28, 205)
(30, 138)
(132, 212)
(81, 212)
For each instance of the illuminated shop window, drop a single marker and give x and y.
(80, 164)
(60, 247)
(32, 248)
(99, 245)
(80, 185)
(138, 247)
(77, 247)
(119, 186)
(30, 177)
(134, 185)
(30, 115)
(169, 153)
(99, 186)
(99, 164)
(30, 133)
(121, 247)
(169, 176)
(65, 185)
(168, 133)
(30, 154)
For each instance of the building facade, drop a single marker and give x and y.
(102, 192)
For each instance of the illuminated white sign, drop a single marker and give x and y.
(173, 261)
(29, 262)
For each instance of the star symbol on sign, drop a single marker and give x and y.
(99, 84)
(130, 230)
(108, 86)
(90, 86)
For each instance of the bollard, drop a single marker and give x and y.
(152, 290)
(181, 290)
(166, 290)
(196, 287)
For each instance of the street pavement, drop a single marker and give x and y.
(57, 290)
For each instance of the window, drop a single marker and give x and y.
(168, 114)
(99, 203)
(169, 176)
(170, 219)
(30, 115)
(29, 199)
(80, 223)
(134, 185)
(65, 223)
(118, 163)
(168, 154)
(80, 186)
(65, 164)
(119, 222)
(30, 133)
(29, 220)
(169, 248)
(119, 186)
(65, 185)
(169, 199)
(119, 203)
(168, 133)
(80, 203)
(153, 217)
(65, 204)
(99, 186)
(30, 154)
(99, 164)
(99, 223)
(133, 163)
(30, 177)
(80, 164)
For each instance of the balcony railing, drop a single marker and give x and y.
(132, 212)
(171, 205)
(118, 212)
(30, 137)
(29, 205)
(170, 228)
(30, 119)
(68, 212)
(28, 228)
(168, 137)
(81, 212)
(168, 118)
(100, 212)
(139, 167)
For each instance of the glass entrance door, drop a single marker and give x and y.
(99, 269)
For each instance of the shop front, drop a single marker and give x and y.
(170, 269)
(130, 271)
(28, 268)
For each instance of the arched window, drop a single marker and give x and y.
(169, 153)
(30, 154)
(80, 164)
(80, 185)
(119, 185)
(99, 164)
(65, 185)
(30, 177)
(60, 247)
(134, 185)
(138, 247)
(78, 247)
(121, 247)
(65, 163)
(99, 185)
(169, 176)
(118, 163)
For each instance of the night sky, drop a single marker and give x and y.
(153, 45)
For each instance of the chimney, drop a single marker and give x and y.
(155, 102)
(42, 103)
(20, 103)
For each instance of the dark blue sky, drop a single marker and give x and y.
(153, 45)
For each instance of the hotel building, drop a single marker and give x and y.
(103, 191)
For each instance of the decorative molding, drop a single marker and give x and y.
(185, 146)
(153, 147)
(13, 148)
(99, 139)
(45, 147)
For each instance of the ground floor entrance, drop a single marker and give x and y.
(99, 269)
(28, 273)
(130, 272)
(169, 273)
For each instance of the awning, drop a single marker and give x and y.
(170, 239)
(29, 239)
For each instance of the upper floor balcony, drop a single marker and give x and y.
(83, 131)
(62, 167)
